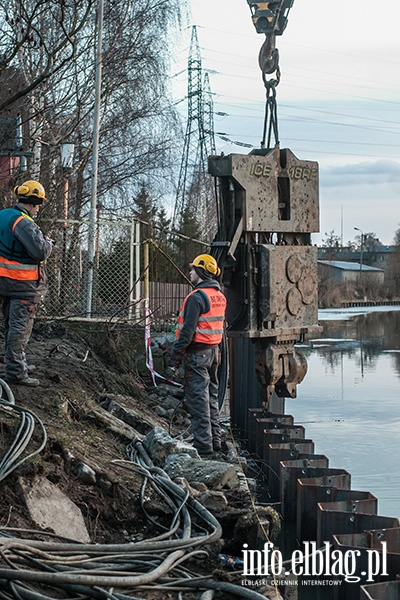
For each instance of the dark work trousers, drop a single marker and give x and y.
(201, 391)
(18, 315)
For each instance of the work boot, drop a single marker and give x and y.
(28, 381)
(204, 451)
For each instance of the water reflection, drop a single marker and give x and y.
(349, 401)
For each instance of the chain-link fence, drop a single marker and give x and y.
(115, 284)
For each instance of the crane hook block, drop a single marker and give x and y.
(270, 17)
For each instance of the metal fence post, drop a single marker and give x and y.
(146, 276)
(134, 270)
(137, 257)
(95, 160)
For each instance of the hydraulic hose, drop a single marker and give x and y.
(81, 578)
(90, 570)
(228, 588)
(8, 392)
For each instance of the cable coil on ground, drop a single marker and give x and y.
(38, 570)
(12, 458)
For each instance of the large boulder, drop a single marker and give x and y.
(50, 509)
(214, 474)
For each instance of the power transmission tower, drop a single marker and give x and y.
(195, 187)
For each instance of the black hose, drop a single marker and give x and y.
(223, 371)
(4, 387)
(23, 436)
(223, 586)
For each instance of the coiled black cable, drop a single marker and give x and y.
(12, 458)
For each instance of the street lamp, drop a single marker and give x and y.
(67, 162)
(361, 248)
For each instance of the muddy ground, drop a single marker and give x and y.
(73, 377)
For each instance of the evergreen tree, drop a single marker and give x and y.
(186, 248)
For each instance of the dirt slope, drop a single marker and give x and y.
(73, 378)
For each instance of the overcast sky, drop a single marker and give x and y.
(338, 99)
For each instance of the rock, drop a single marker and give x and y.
(51, 509)
(213, 500)
(252, 527)
(213, 474)
(199, 486)
(160, 445)
(118, 405)
(104, 483)
(271, 593)
(171, 402)
(169, 413)
(86, 474)
(167, 396)
(289, 582)
(184, 484)
(233, 458)
(247, 484)
(160, 411)
(160, 393)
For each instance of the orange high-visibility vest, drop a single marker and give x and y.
(15, 262)
(15, 270)
(210, 326)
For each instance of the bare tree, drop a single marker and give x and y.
(331, 240)
(48, 69)
(48, 61)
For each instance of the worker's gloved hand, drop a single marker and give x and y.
(171, 372)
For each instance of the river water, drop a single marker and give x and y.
(349, 401)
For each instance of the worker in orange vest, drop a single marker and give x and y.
(23, 250)
(198, 335)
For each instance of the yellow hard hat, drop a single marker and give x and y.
(206, 262)
(32, 192)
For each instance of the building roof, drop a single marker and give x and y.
(348, 266)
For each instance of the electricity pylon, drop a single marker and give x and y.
(195, 187)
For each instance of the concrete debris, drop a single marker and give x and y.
(50, 509)
(213, 500)
(160, 445)
(256, 526)
(193, 488)
(198, 486)
(214, 474)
